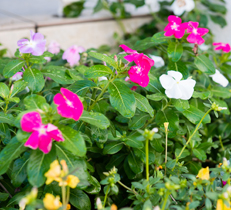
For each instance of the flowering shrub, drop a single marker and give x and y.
(81, 129)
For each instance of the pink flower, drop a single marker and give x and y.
(196, 33)
(42, 135)
(224, 183)
(134, 88)
(54, 47)
(72, 54)
(175, 27)
(36, 45)
(133, 54)
(222, 46)
(69, 104)
(139, 73)
(17, 76)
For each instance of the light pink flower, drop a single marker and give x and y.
(139, 73)
(69, 104)
(54, 47)
(17, 76)
(175, 27)
(36, 45)
(222, 46)
(196, 33)
(42, 135)
(72, 54)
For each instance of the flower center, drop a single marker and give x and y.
(174, 26)
(194, 31)
(31, 43)
(42, 131)
(178, 82)
(181, 3)
(69, 103)
(138, 71)
(223, 45)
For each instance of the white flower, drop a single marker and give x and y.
(99, 203)
(153, 5)
(204, 47)
(102, 78)
(175, 87)
(220, 78)
(156, 208)
(155, 130)
(180, 6)
(159, 62)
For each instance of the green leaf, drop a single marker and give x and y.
(202, 95)
(10, 152)
(74, 9)
(34, 101)
(200, 154)
(74, 142)
(12, 68)
(144, 44)
(6, 118)
(38, 165)
(143, 104)
(218, 19)
(81, 87)
(194, 204)
(154, 85)
(75, 164)
(94, 118)
(204, 64)
(135, 163)
(115, 160)
(220, 92)
(122, 99)
(79, 199)
(179, 66)
(4, 196)
(37, 59)
(97, 71)
(14, 99)
(134, 140)
(138, 121)
(104, 58)
(156, 96)
(160, 38)
(47, 54)
(183, 155)
(4, 90)
(157, 145)
(34, 78)
(95, 186)
(18, 87)
(175, 51)
(58, 74)
(99, 6)
(180, 104)
(113, 148)
(194, 115)
(147, 205)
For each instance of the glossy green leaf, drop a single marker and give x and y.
(134, 140)
(6, 118)
(113, 147)
(13, 67)
(180, 104)
(204, 64)
(175, 51)
(154, 85)
(18, 87)
(80, 200)
(156, 96)
(144, 44)
(200, 154)
(95, 186)
(97, 71)
(34, 101)
(147, 205)
(179, 66)
(4, 90)
(138, 121)
(160, 38)
(122, 99)
(34, 78)
(220, 92)
(135, 163)
(81, 87)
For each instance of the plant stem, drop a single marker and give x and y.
(105, 198)
(6, 107)
(149, 121)
(68, 196)
(222, 146)
(126, 187)
(190, 137)
(166, 149)
(5, 189)
(165, 200)
(63, 194)
(147, 161)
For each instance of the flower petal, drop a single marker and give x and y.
(190, 4)
(54, 132)
(176, 75)
(174, 92)
(202, 31)
(127, 49)
(30, 121)
(45, 143)
(187, 88)
(175, 19)
(220, 79)
(167, 81)
(33, 140)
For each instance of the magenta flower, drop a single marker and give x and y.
(42, 135)
(196, 33)
(133, 54)
(222, 46)
(175, 27)
(72, 54)
(54, 47)
(36, 45)
(139, 73)
(69, 104)
(134, 88)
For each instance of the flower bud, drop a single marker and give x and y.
(225, 162)
(99, 204)
(156, 208)
(166, 124)
(115, 58)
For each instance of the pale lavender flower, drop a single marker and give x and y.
(54, 47)
(35, 46)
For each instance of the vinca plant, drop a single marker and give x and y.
(147, 127)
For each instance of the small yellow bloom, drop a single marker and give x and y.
(64, 167)
(221, 205)
(203, 173)
(68, 207)
(51, 202)
(113, 207)
(54, 172)
(72, 181)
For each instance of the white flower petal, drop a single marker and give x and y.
(174, 92)
(187, 88)
(220, 78)
(176, 75)
(158, 61)
(102, 78)
(176, 9)
(190, 4)
(167, 81)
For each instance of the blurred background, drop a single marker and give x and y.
(93, 23)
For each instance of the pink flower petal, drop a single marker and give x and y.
(218, 48)
(202, 31)
(127, 49)
(59, 99)
(173, 18)
(54, 132)
(33, 141)
(169, 32)
(226, 48)
(45, 143)
(193, 24)
(31, 121)
(179, 34)
(217, 43)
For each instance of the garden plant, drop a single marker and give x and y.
(144, 126)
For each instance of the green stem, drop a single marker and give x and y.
(126, 187)
(222, 146)
(166, 149)
(190, 137)
(6, 107)
(165, 200)
(105, 198)
(147, 161)
(63, 194)
(68, 195)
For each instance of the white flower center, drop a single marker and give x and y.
(31, 43)
(194, 31)
(69, 103)
(223, 45)
(174, 26)
(138, 71)
(181, 3)
(42, 131)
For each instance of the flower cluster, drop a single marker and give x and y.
(139, 73)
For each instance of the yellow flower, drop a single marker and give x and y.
(64, 167)
(72, 181)
(51, 202)
(54, 172)
(221, 205)
(113, 207)
(204, 173)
